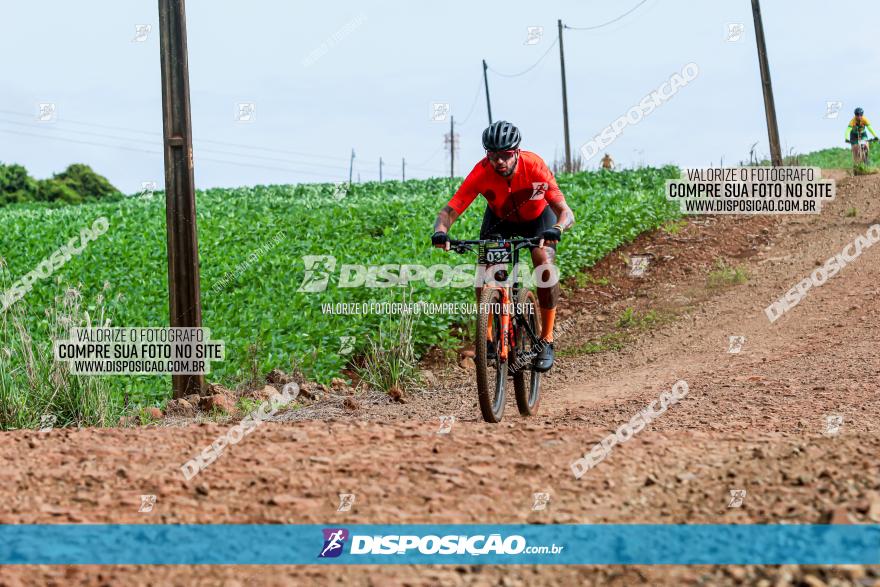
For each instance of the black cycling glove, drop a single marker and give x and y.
(439, 238)
(552, 234)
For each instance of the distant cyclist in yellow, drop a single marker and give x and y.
(857, 126)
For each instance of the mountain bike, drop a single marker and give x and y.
(860, 149)
(508, 329)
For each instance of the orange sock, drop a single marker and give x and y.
(548, 318)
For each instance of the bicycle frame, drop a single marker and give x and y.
(508, 292)
(861, 150)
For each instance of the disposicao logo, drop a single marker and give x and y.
(334, 542)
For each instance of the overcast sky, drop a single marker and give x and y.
(326, 78)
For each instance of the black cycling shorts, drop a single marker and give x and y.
(492, 225)
(854, 136)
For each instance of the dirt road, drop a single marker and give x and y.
(791, 419)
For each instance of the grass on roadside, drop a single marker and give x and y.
(631, 318)
(862, 169)
(584, 278)
(613, 341)
(628, 324)
(36, 391)
(390, 364)
(724, 275)
(673, 227)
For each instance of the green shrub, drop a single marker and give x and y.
(16, 185)
(52, 190)
(74, 185)
(83, 180)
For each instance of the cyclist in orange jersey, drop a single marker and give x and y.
(523, 200)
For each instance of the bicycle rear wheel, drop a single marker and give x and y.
(491, 375)
(527, 381)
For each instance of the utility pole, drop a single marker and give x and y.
(452, 140)
(403, 169)
(564, 102)
(180, 202)
(486, 83)
(351, 168)
(380, 169)
(767, 87)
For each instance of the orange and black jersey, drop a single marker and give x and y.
(520, 197)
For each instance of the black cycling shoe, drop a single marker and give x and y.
(543, 361)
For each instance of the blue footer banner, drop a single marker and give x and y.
(521, 544)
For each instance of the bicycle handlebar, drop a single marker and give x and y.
(464, 246)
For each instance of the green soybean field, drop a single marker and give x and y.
(253, 245)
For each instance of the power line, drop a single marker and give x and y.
(343, 160)
(124, 148)
(159, 135)
(92, 124)
(434, 154)
(253, 165)
(198, 158)
(474, 105)
(158, 144)
(198, 151)
(604, 24)
(533, 66)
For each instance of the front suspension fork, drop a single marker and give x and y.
(506, 339)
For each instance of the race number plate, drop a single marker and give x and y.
(496, 254)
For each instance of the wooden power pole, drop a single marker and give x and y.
(767, 87)
(564, 102)
(486, 83)
(180, 201)
(452, 147)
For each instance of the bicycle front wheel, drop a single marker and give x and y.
(491, 373)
